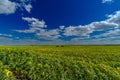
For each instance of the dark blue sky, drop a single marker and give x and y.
(71, 12)
(82, 21)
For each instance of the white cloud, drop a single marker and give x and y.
(6, 35)
(83, 32)
(37, 27)
(114, 18)
(48, 34)
(28, 7)
(10, 41)
(109, 34)
(111, 26)
(103, 25)
(5, 41)
(26, 31)
(86, 30)
(114, 33)
(107, 1)
(27, 41)
(77, 41)
(7, 7)
(77, 31)
(33, 22)
(98, 41)
(80, 32)
(25, 5)
(62, 27)
(10, 7)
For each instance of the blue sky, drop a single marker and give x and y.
(26, 22)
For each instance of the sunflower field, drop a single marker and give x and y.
(60, 62)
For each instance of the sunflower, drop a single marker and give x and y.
(8, 73)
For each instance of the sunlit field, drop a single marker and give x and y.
(60, 63)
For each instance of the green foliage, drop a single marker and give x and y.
(60, 63)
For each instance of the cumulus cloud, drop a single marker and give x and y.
(7, 7)
(38, 28)
(86, 30)
(109, 34)
(107, 1)
(114, 33)
(10, 7)
(114, 18)
(35, 25)
(48, 34)
(33, 22)
(77, 31)
(103, 25)
(85, 34)
(81, 33)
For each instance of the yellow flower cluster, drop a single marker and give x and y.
(8, 73)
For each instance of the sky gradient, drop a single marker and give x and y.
(31, 22)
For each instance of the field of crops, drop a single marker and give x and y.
(60, 63)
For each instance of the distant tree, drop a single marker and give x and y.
(62, 46)
(57, 46)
